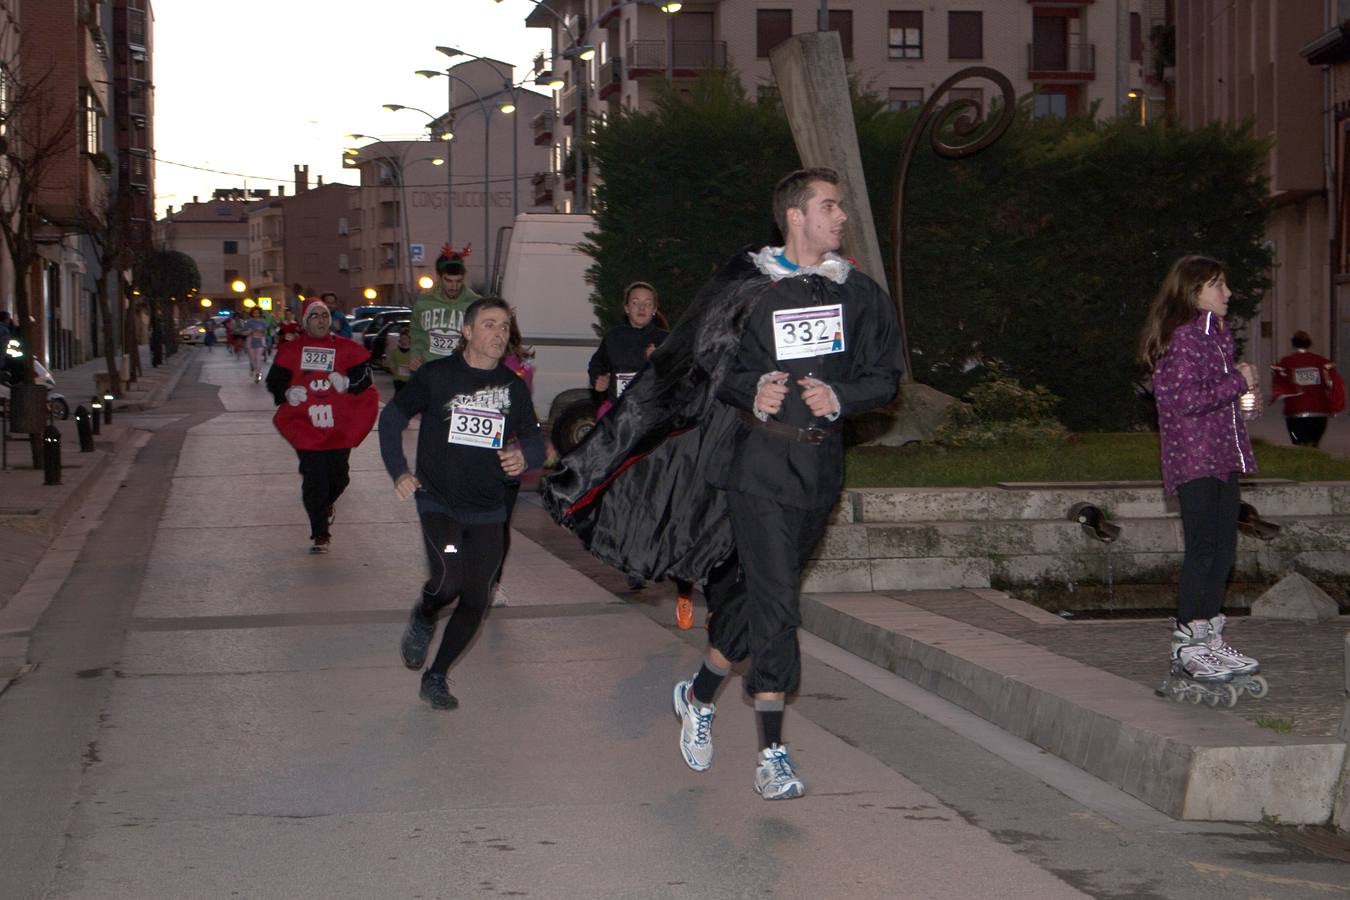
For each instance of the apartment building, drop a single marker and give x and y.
(1329, 52)
(63, 78)
(301, 240)
(415, 196)
(134, 114)
(215, 233)
(1070, 56)
(1238, 62)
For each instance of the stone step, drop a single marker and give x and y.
(933, 555)
(1272, 497)
(1189, 762)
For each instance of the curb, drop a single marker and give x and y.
(1190, 763)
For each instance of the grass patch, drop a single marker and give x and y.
(1279, 726)
(1085, 457)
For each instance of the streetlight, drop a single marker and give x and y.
(507, 107)
(451, 78)
(1143, 105)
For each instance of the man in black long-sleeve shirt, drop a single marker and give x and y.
(478, 428)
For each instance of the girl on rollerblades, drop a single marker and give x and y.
(1203, 398)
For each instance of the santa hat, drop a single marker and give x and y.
(313, 306)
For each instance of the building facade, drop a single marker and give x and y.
(215, 233)
(1238, 62)
(417, 196)
(298, 245)
(1070, 56)
(1330, 53)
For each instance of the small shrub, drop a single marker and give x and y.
(1001, 412)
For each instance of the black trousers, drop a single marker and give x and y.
(462, 561)
(1306, 431)
(1209, 515)
(755, 607)
(323, 478)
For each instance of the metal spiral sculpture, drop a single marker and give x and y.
(963, 117)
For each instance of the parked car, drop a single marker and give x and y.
(196, 333)
(368, 312)
(381, 319)
(359, 327)
(379, 341)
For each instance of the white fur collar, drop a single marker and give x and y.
(769, 261)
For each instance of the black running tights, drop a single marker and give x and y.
(461, 560)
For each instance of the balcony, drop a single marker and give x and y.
(542, 126)
(1061, 62)
(647, 59)
(544, 183)
(567, 105)
(610, 78)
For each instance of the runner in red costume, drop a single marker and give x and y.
(321, 383)
(1311, 388)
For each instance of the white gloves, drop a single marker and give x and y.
(295, 395)
(339, 381)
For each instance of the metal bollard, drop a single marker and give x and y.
(84, 429)
(51, 455)
(96, 406)
(107, 408)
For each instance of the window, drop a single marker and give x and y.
(231, 275)
(904, 98)
(231, 248)
(965, 35)
(343, 227)
(1050, 105)
(841, 20)
(343, 262)
(1136, 38)
(772, 27)
(905, 34)
(91, 119)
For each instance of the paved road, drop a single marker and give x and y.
(217, 713)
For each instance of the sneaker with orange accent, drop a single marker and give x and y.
(684, 612)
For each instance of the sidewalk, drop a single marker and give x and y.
(1269, 427)
(32, 513)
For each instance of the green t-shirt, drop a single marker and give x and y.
(438, 322)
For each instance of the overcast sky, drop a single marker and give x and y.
(254, 87)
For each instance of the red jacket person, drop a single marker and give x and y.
(320, 383)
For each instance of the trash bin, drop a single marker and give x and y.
(27, 408)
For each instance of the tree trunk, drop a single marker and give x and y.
(109, 332)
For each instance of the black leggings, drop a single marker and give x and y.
(462, 560)
(1209, 515)
(323, 478)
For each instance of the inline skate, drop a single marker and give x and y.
(1243, 667)
(1197, 674)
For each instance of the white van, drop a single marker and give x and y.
(544, 279)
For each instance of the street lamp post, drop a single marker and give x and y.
(399, 164)
(487, 145)
(508, 107)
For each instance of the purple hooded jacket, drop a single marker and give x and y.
(1197, 386)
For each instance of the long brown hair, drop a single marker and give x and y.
(1175, 304)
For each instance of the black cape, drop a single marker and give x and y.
(635, 491)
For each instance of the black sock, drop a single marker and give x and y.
(706, 683)
(770, 716)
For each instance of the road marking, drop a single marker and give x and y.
(1225, 872)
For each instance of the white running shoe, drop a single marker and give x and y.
(695, 727)
(1236, 662)
(775, 779)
